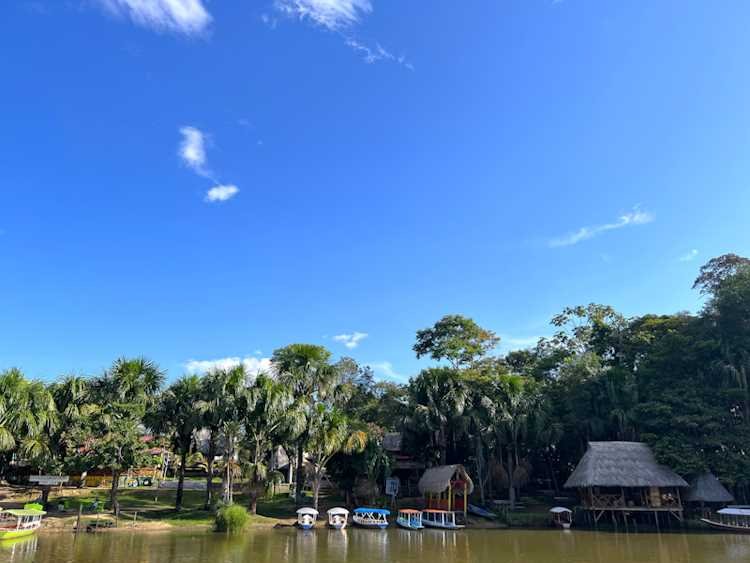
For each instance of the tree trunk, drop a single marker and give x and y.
(45, 496)
(210, 470)
(317, 481)
(443, 446)
(299, 478)
(181, 480)
(114, 490)
(511, 487)
(480, 469)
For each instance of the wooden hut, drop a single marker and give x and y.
(707, 492)
(446, 487)
(624, 478)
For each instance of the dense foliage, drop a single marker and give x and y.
(678, 382)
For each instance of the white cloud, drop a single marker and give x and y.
(183, 16)
(634, 217)
(689, 256)
(334, 15)
(252, 364)
(222, 193)
(351, 341)
(193, 150)
(378, 53)
(386, 370)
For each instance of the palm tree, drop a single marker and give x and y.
(27, 416)
(305, 369)
(270, 411)
(330, 432)
(439, 396)
(223, 407)
(178, 415)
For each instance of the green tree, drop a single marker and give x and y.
(457, 339)
(178, 416)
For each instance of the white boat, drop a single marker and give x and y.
(444, 519)
(371, 517)
(337, 518)
(306, 518)
(562, 517)
(410, 519)
(731, 519)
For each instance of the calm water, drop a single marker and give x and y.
(359, 546)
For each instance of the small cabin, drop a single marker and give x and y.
(446, 487)
(624, 478)
(707, 492)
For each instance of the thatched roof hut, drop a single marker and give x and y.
(437, 480)
(621, 464)
(707, 488)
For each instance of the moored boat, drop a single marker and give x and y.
(16, 523)
(306, 517)
(561, 517)
(731, 519)
(482, 512)
(444, 519)
(371, 517)
(410, 519)
(337, 518)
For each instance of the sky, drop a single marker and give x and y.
(204, 181)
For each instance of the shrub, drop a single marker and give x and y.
(231, 518)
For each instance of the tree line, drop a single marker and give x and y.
(523, 419)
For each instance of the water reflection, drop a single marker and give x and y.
(374, 546)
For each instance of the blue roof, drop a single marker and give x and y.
(372, 510)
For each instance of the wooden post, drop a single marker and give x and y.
(466, 498)
(78, 521)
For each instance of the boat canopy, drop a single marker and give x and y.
(335, 511)
(372, 511)
(20, 512)
(409, 511)
(732, 511)
(307, 510)
(559, 509)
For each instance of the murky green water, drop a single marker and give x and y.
(359, 546)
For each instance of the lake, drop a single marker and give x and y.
(394, 545)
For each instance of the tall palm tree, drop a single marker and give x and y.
(439, 396)
(178, 416)
(223, 405)
(331, 432)
(306, 370)
(271, 411)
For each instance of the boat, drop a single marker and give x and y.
(371, 517)
(483, 512)
(337, 518)
(410, 519)
(731, 519)
(562, 517)
(306, 517)
(445, 519)
(16, 523)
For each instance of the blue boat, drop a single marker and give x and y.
(371, 517)
(410, 519)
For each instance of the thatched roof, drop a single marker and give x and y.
(621, 464)
(707, 488)
(436, 480)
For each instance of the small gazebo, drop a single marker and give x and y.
(706, 489)
(446, 487)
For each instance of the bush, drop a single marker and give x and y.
(231, 518)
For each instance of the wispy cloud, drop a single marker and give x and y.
(689, 256)
(182, 16)
(192, 151)
(385, 369)
(377, 53)
(252, 364)
(352, 340)
(634, 217)
(333, 15)
(221, 193)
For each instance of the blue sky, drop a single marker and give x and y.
(198, 180)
